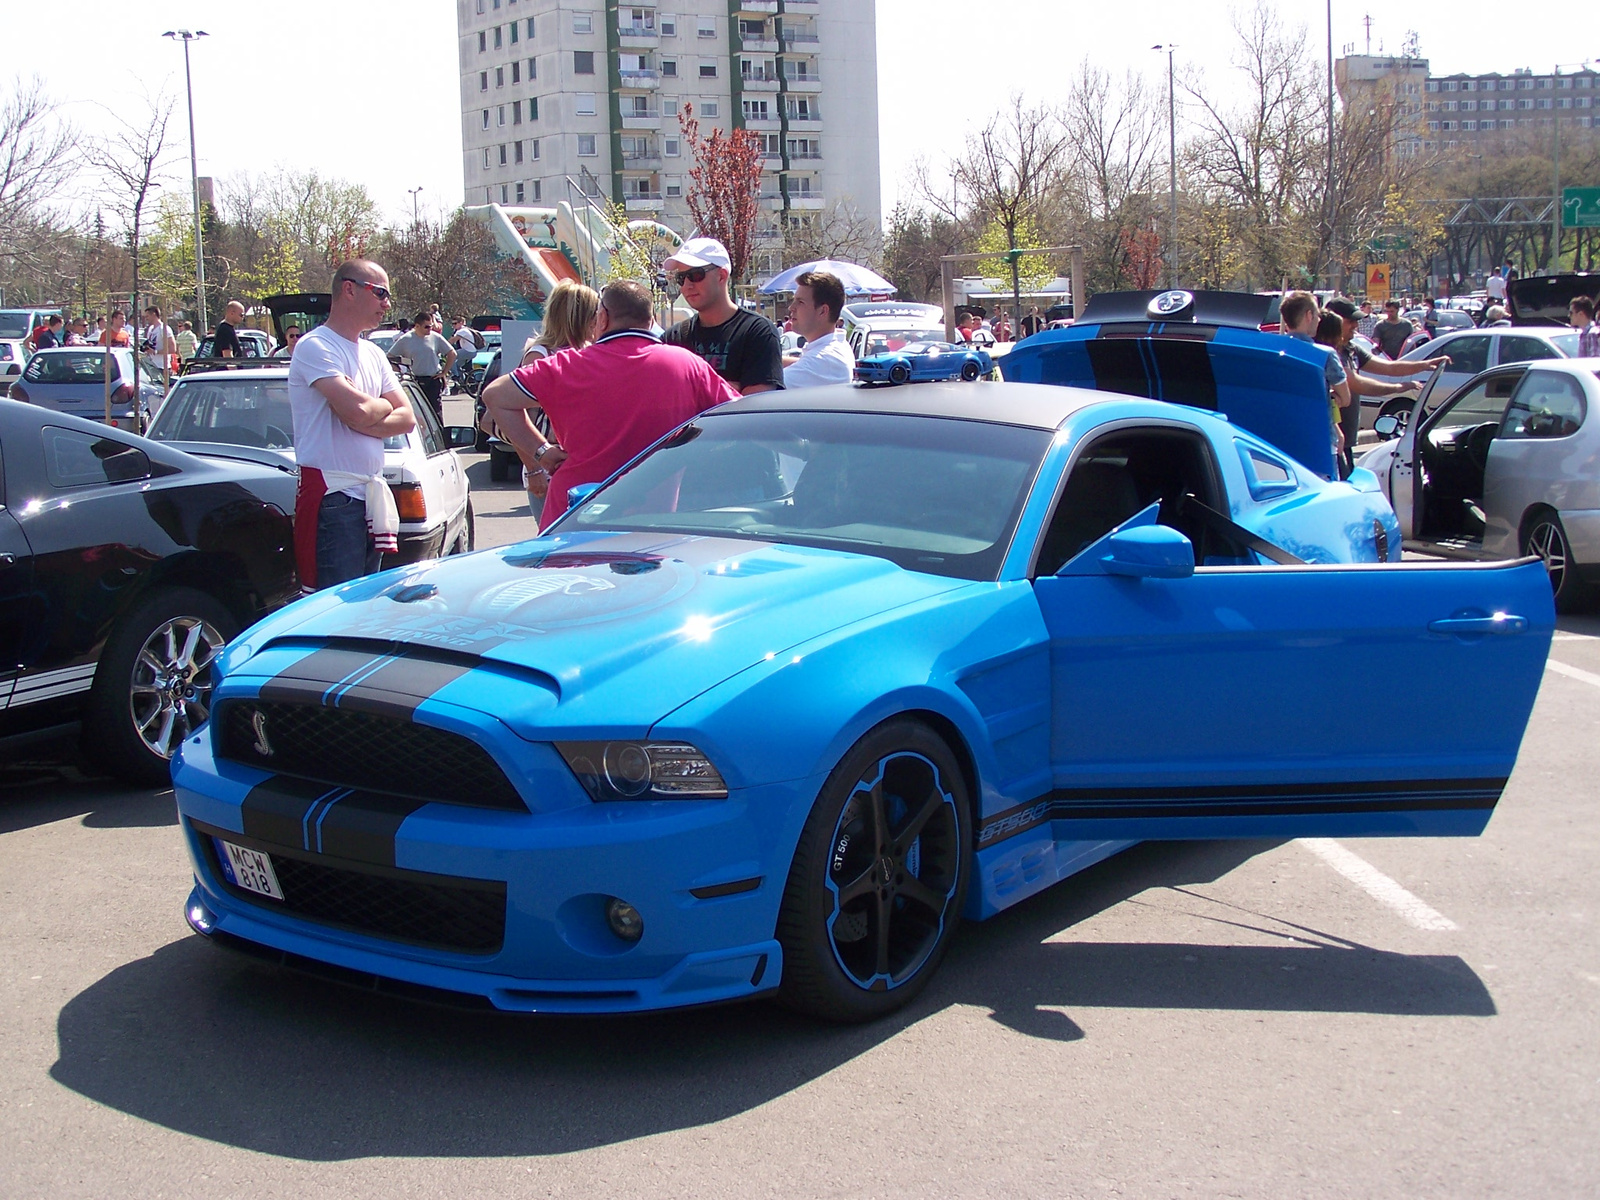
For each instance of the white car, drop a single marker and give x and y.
(1475, 350)
(14, 356)
(246, 414)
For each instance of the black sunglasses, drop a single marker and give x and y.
(382, 293)
(692, 276)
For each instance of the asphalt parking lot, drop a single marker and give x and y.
(1370, 1018)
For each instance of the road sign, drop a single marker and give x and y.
(1388, 241)
(1580, 207)
(1378, 283)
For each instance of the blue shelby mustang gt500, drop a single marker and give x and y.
(921, 362)
(826, 671)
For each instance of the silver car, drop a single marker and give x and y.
(77, 380)
(1505, 466)
(1475, 350)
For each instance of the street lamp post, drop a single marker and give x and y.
(415, 220)
(1172, 160)
(185, 36)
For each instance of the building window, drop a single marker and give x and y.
(1433, 85)
(586, 145)
(533, 109)
(1469, 126)
(669, 25)
(583, 62)
(1433, 127)
(486, 118)
(483, 81)
(533, 149)
(708, 70)
(480, 8)
(500, 112)
(710, 109)
(504, 157)
(1544, 101)
(517, 152)
(706, 27)
(498, 37)
(1449, 85)
(530, 38)
(533, 69)
(486, 158)
(516, 71)
(499, 77)
(513, 33)
(483, 41)
(538, 189)
(756, 110)
(673, 185)
(505, 194)
(520, 193)
(671, 147)
(583, 103)
(669, 68)
(583, 22)
(516, 112)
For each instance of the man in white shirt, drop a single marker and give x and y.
(814, 311)
(345, 400)
(1496, 287)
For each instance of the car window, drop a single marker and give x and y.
(1468, 355)
(1567, 343)
(71, 366)
(1525, 349)
(1484, 401)
(237, 412)
(930, 494)
(1547, 405)
(433, 439)
(74, 459)
(887, 341)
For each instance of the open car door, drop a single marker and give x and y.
(1216, 702)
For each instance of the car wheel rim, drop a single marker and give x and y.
(1546, 541)
(892, 871)
(171, 687)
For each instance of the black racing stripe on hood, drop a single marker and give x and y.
(337, 821)
(387, 684)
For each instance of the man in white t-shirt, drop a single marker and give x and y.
(815, 309)
(1496, 287)
(345, 400)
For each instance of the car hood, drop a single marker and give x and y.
(1268, 383)
(625, 627)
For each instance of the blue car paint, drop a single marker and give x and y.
(1072, 703)
(924, 368)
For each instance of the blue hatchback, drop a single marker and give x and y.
(820, 675)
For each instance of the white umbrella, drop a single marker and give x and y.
(858, 281)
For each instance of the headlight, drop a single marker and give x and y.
(643, 771)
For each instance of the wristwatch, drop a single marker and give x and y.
(538, 455)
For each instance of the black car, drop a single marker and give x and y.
(125, 566)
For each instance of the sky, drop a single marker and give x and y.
(369, 90)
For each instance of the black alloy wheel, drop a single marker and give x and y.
(879, 877)
(900, 373)
(969, 371)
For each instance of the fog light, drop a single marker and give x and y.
(624, 920)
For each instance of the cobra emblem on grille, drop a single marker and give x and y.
(258, 722)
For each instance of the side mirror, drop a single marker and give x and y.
(1387, 427)
(461, 437)
(577, 495)
(1149, 551)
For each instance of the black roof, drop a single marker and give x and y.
(1035, 405)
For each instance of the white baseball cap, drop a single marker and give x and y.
(700, 252)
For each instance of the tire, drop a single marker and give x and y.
(499, 466)
(472, 531)
(153, 685)
(901, 780)
(1400, 409)
(1546, 539)
(969, 371)
(900, 373)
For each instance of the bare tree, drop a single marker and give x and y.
(36, 157)
(132, 159)
(838, 232)
(455, 264)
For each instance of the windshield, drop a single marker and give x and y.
(70, 366)
(930, 494)
(15, 324)
(236, 412)
(887, 341)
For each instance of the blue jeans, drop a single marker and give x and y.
(344, 547)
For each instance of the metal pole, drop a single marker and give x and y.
(1555, 194)
(1172, 157)
(186, 37)
(1332, 250)
(415, 220)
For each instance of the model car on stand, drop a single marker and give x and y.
(825, 671)
(924, 362)
(124, 567)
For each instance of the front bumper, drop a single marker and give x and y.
(705, 875)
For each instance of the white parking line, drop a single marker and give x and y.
(1561, 668)
(1378, 885)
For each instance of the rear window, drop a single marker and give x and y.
(15, 324)
(74, 459)
(235, 412)
(70, 366)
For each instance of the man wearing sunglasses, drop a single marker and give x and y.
(345, 400)
(741, 346)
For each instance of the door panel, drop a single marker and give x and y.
(1241, 702)
(19, 608)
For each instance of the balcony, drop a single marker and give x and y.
(642, 201)
(641, 118)
(804, 84)
(758, 43)
(809, 120)
(805, 202)
(760, 122)
(800, 41)
(647, 80)
(650, 160)
(805, 156)
(638, 37)
(759, 81)
(758, 8)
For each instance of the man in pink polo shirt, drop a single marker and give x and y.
(606, 402)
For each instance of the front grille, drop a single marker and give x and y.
(468, 916)
(347, 748)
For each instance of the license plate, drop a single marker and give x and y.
(249, 869)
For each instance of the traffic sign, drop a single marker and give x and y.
(1580, 207)
(1378, 283)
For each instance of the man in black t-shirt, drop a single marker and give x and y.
(225, 342)
(741, 346)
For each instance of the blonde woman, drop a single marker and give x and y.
(569, 318)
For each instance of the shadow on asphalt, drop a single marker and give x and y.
(209, 1044)
(50, 782)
